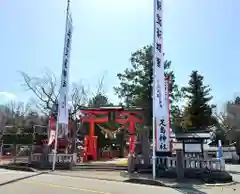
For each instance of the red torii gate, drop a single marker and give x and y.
(132, 120)
(90, 142)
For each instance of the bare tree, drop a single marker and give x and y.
(223, 120)
(233, 117)
(15, 116)
(16, 111)
(46, 91)
(79, 98)
(44, 88)
(3, 119)
(100, 86)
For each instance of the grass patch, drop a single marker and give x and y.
(123, 162)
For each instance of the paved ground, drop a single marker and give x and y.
(84, 182)
(190, 187)
(234, 170)
(29, 183)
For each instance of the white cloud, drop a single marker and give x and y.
(7, 95)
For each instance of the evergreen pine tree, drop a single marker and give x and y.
(135, 87)
(198, 112)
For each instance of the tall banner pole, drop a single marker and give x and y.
(160, 123)
(62, 116)
(154, 146)
(220, 154)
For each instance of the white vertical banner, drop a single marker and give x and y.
(161, 126)
(63, 98)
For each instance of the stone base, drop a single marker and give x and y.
(163, 154)
(210, 177)
(217, 177)
(204, 175)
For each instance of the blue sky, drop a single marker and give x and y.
(198, 35)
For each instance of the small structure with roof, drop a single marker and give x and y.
(192, 144)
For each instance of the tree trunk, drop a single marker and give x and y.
(74, 137)
(122, 144)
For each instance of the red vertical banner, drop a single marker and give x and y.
(49, 126)
(51, 130)
(168, 104)
(155, 120)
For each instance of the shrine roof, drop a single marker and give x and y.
(192, 135)
(113, 108)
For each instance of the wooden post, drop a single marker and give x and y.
(74, 136)
(145, 145)
(30, 155)
(131, 163)
(44, 157)
(180, 164)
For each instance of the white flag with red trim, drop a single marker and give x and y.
(52, 136)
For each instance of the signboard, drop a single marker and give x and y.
(62, 158)
(190, 148)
